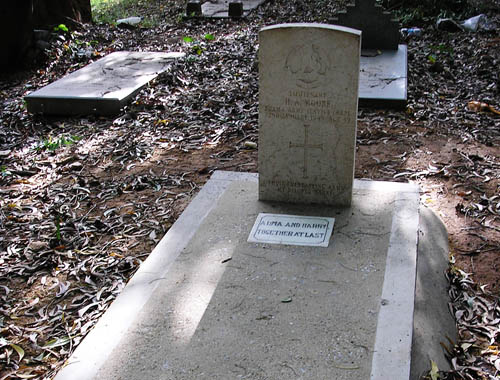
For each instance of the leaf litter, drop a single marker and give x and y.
(83, 201)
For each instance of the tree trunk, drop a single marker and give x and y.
(48, 13)
(18, 18)
(16, 31)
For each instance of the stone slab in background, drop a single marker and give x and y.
(103, 87)
(308, 103)
(207, 304)
(383, 80)
(221, 8)
(383, 77)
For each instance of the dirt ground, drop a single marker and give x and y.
(83, 200)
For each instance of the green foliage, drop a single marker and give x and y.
(4, 172)
(108, 11)
(440, 50)
(52, 144)
(197, 47)
(419, 12)
(61, 28)
(4, 342)
(58, 229)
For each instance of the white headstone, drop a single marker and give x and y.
(308, 101)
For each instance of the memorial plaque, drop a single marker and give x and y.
(383, 78)
(292, 230)
(308, 102)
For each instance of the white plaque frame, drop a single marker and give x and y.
(292, 230)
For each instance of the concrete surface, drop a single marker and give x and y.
(383, 80)
(102, 87)
(433, 321)
(207, 304)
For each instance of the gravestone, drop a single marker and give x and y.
(221, 8)
(241, 288)
(380, 30)
(208, 304)
(383, 66)
(103, 87)
(308, 103)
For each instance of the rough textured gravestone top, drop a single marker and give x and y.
(380, 31)
(308, 97)
(102, 87)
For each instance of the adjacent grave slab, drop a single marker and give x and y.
(221, 8)
(308, 103)
(207, 304)
(103, 87)
(383, 66)
(383, 80)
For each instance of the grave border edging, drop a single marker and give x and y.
(97, 346)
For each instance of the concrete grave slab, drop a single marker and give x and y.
(221, 8)
(383, 65)
(383, 80)
(103, 87)
(308, 103)
(207, 304)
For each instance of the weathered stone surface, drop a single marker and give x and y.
(206, 304)
(226, 8)
(308, 78)
(102, 87)
(379, 29)
(383, 80)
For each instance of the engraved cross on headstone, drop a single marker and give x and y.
(306, 146)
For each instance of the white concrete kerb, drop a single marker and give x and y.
(392, 351)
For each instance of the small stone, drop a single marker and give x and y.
(37, 246)
(76, 166)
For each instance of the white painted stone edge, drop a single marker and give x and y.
(94, 350)
(393, 341)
